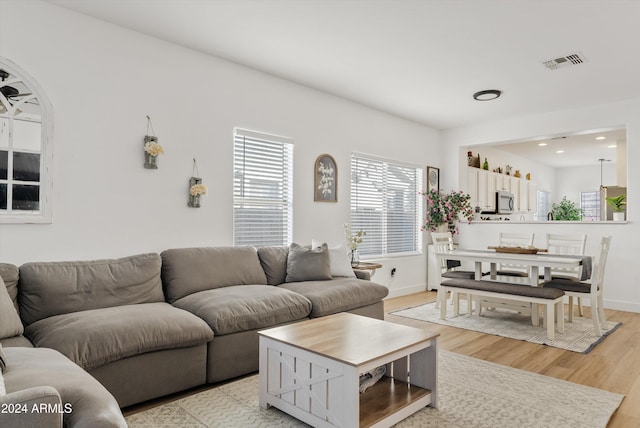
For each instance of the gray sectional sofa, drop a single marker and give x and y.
(96, 336)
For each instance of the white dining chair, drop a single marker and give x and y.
(567, 244)
(593, 289)
(443, 242)
(514, 240)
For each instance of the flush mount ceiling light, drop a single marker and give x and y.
(487, 95)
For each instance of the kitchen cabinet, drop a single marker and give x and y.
(500, 182)
(482, 186)
(528, 196)
(515, 189)
(472, 186)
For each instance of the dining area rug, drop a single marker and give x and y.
(471, 393)
(578, 335)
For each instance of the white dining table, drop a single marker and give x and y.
(535, 262)
(547, 262)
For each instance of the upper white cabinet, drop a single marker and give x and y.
(528, 196)
(482, 186)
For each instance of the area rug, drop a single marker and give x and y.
(578, 335)
(472, 393)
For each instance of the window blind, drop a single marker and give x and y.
(262, 189)
(544, 205)
(590, 204)
(385, 204)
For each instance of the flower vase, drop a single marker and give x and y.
(194, 201)
(355, 258)
(442, 228)
(150, 161)
(618, 216)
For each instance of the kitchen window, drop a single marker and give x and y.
(385, 203)
(262, 189)
(590, 204)
(544, 205)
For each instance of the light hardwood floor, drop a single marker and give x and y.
(614, 365)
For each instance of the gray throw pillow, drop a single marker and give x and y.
(10, 324)
(308, 264)
(274, 263)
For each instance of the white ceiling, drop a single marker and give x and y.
(421, 60)
(579, 149)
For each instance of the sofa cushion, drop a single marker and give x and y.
(10, 324)
(308, 264)
(90, 403)
(338, 295)
(48, 289)
(97, 337)
(10, 274)
(189, 270)
(16, 341)
(274, 263)
(245, 307)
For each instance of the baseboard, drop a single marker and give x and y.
(622, 306)
(397, 292)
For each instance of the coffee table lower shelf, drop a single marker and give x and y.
(391, 397)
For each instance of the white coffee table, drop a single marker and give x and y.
(311, 370)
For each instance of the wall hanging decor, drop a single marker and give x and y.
(151, 147)
(433, 178)
(196, 188)
(326, 179)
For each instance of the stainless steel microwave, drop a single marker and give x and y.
(504, 202)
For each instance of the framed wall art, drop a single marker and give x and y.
(326, 179)
(433, 178)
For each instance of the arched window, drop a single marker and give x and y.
(25, 148)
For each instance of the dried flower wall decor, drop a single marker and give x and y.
(196, 188)
(151, 147)
(326, 179)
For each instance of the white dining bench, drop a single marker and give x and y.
(551, 298)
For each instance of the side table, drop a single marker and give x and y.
(367, 266)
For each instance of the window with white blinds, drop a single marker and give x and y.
(385, 203)
(590, 204)
(262, 189)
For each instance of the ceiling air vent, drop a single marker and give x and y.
(565, 61)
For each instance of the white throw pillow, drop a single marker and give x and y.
(339, 257)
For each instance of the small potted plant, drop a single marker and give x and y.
(617, 203)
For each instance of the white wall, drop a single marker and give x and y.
(103, 80)
(574, 180)
(622, 290)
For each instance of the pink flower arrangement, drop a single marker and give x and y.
(446, 209)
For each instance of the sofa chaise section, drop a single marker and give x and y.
(36, 376)
(226, 287)
(110, 318)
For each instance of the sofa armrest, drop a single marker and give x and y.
(363, 274)
(39, 406)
